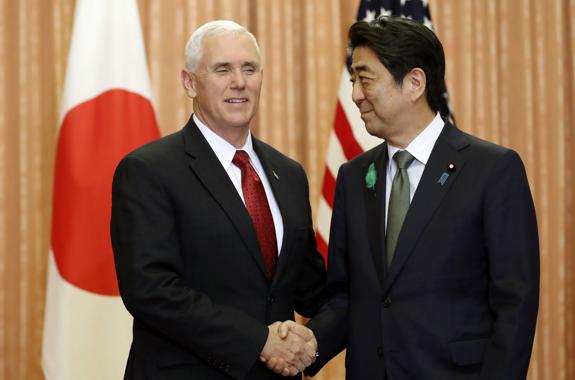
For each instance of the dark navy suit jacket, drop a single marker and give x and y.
(460, 298)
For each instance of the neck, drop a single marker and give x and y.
(236, 136)
(410, 128)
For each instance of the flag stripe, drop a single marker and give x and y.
(321, 245)
(328, 188)
(345, 135)
(335, 155)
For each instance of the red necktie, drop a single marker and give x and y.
(259, 210)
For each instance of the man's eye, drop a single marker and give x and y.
(222, 70)
(249, 70)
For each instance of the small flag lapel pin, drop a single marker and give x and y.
(445, 175)
(443, 178)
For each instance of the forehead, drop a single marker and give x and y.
(229, 48)
(364, 59)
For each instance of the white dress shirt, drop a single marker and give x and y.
(225, 153)
(420, 148)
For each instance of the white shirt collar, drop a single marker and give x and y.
(422, 145)
(223, 149)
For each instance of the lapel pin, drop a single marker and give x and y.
(451, 167)
(275, 175)
(443, 178)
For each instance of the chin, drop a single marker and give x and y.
(370, 129)
(373, 130)
(239, 122)
(240, 117)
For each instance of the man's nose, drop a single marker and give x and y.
(238, 79)
(357, 92)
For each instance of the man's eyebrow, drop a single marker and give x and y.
(253, 63)
(219, 64)
(229, 64)
(357, 68)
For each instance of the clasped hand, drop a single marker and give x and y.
(289, 349)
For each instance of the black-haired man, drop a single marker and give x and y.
(433, 262)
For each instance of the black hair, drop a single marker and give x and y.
(402, 44)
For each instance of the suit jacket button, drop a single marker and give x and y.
(380, 351)
(387, 302)
(271, 299)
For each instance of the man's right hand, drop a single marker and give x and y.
(297, 348)
(289, 349)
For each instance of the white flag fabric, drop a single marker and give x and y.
(106, 112)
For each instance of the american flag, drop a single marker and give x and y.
(348, 137)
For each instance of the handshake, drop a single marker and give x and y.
(289, 349)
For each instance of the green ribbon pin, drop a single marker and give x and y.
(371, 177)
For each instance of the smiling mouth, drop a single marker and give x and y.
(236, 100)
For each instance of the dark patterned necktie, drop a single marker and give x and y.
(259, 210)
(398, 202)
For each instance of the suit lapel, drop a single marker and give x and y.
(374, 200)
(428, 195)
(210, 173)
(273, 172)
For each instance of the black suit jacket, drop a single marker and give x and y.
(189, 266)
(460, 298)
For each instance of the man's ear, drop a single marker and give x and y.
(189, 83)
(416, 83)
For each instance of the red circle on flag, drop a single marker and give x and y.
(94, 136)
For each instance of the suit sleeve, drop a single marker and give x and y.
(513, 252)
(148, 263)
(330, 324)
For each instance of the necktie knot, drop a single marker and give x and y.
(403, 159)
(241, 159)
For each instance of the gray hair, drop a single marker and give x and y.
(194, 47)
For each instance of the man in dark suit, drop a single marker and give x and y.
(433, 268)
(212, 231)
